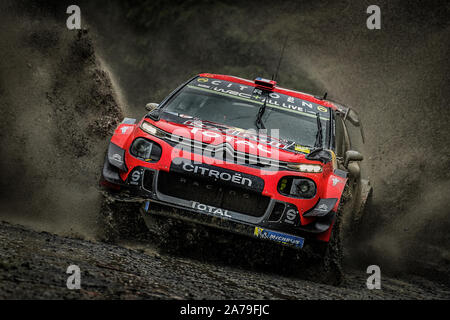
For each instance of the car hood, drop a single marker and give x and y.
(241, 140)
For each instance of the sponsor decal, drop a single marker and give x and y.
(322, 207)
(291, 214)
(117, 157)
(223, 175)
(335, 181)
(283, 238)
(250, 93)
(210, 210)
(135, 177)
(124, 129)
(239, 136)
(301, 148)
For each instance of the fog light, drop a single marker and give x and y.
(146, 150)
(297, 187)
(304, 188)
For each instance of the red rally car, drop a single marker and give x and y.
(246, 156)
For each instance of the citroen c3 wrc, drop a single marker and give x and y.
(246, 156)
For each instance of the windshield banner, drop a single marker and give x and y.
(249, 93)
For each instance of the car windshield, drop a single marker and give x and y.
(241, 111)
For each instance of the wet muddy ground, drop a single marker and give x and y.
(33, 266)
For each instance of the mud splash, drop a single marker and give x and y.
(58, 108)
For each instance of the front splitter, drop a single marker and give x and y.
(155, 207)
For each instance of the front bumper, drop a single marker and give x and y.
(179, 213)
(274, 222)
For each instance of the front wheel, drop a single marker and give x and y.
(329, 256)
(332, 259)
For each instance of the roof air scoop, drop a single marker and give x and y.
(265, 84)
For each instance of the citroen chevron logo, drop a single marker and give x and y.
(225, 148)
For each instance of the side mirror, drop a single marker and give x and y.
(352, 155)
(151, 106)
(353, 117)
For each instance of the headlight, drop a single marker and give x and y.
(297, 187)
(146, 150)
(301, 167)
(154, 131)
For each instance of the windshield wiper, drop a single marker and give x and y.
(259, 124)
(319, 138)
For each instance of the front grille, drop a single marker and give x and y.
(277, 212)
(212, 194)
(148, 180)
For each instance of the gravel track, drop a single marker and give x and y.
(33, 266)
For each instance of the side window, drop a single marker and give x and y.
(342, 137)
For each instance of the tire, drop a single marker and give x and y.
(363, 205)
(361, 214)
(333, 256)
(327, 257)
